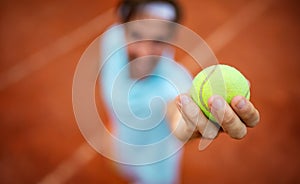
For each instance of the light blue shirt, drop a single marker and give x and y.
(138, 107)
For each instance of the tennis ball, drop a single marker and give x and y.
(222, 80)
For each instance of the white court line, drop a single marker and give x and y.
(218, 39)
(225, 33)
(58, 48)
(229, 30)
(70, 166)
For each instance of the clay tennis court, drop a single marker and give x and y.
(41, 44)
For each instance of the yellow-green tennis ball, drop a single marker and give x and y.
(222, 80)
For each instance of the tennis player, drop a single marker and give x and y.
(146, 92)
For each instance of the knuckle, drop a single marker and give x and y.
(252, 118)
(228, 118)
(239, 133)
(254, 121)
(233, 125)
(192, 113)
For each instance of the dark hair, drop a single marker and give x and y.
(128, 8)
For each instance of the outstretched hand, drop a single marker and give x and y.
(233, 118)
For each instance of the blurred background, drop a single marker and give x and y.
(42, 41)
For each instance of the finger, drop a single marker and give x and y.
(245, 110)
(227, 118)
(180, 101)
(194, 116)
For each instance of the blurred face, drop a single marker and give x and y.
(144, 55)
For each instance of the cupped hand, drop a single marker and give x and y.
(233, 118)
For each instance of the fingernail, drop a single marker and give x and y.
(241, 104)
(184, 100)
(217, 103)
